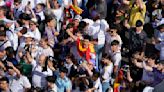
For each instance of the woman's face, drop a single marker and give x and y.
(43, 43)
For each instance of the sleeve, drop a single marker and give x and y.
(107, 72)
(68, 85)
(117, 59)
(48, 72)
(33, 63)
(38, 36)
(26, 83)
(97, 83)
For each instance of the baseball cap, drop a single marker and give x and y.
(78, 17)
(139, 23)
(29, 34)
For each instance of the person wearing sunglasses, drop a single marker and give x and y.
(112, 35)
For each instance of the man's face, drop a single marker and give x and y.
(85, 43)
(28, 40)
(16, 5)
(151, 61)
(139, 29)
(32, 26)
(114, 47)
(1, 12)
(52, 23)
(62, 74)
(42, 60)
(3, 84)
(162, 30)
(76, 22)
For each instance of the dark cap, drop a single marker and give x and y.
(139, 23)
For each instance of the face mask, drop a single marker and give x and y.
(138, 32)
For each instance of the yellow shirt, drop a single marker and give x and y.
(136, 14)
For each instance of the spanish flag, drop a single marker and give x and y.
(85, 51)
(118, 80)
(76, 9)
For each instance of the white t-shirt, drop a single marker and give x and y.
(98, 29)
(54, 89)
(97, 84)
(33, 3)
(37, 34)
(116, 58)
(39, 77)
(106, 72)
(47, 52)
(19, 84)
(59, 16)
(109, 39)
(13, 37)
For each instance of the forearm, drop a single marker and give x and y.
(141, 4)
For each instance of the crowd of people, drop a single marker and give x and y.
(81, 45)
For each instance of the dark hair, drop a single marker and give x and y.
(152, 56)
(24, 16)
(2, 33)
(48, 19)
(4, 79)
(96, 74)
(17, 1)
(106, 56)
(139, 23)
(70, 25)
(2, 26)
(63, 69)
(82, 25)
(10, 51)
(87, 37)
(45, 38)
(114, 42)
(114, 27)
(51, 79)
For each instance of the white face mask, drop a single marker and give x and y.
(138, 32)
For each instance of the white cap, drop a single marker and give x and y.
(34, 20)
(29, 34)
(78, 17)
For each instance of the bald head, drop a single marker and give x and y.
(42, 59)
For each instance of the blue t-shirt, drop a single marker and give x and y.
(63, 84)
(158, 76)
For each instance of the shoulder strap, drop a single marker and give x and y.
(3, 43)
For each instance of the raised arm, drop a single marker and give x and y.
(71, 34)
